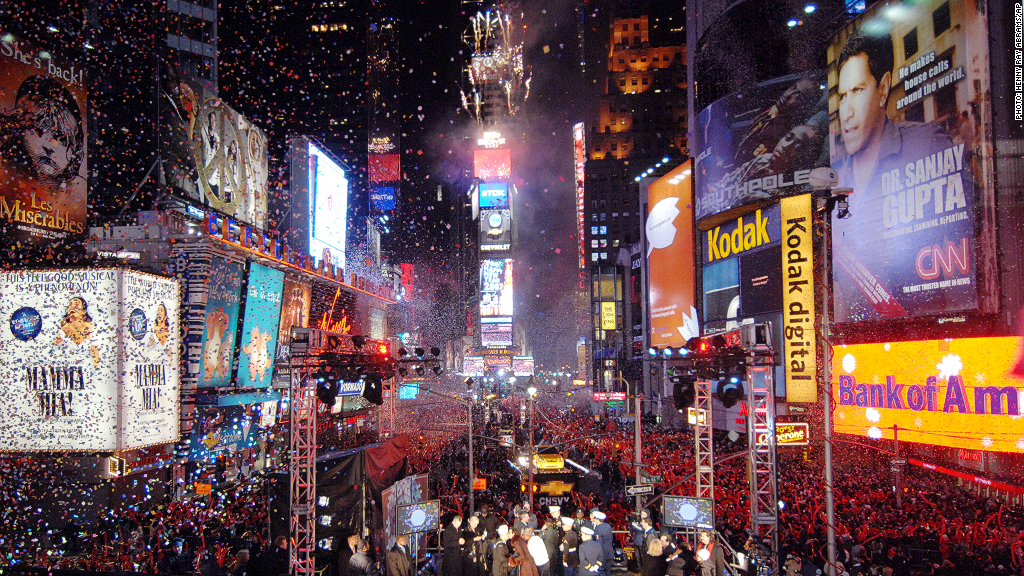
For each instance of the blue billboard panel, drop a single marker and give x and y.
(383, 198)
(259, 328)
(218, 344)
(493, 195)
(223, 429)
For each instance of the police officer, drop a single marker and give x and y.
(591, 555)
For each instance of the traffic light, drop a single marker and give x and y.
(527, 487)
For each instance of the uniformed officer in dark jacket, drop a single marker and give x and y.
(591, 555)
(569, 548)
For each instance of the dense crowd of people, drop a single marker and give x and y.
(940, 529)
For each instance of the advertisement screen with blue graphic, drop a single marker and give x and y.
(686, 512)
(259, 328)
(493, 195)
(225, 286)
(222, 428)
(383, 198)
(328, 206)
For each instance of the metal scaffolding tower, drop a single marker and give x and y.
(302, 470)
(764, 495)
(705, 455)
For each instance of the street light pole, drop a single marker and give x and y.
(472, 475)
(529, 463)
(896, 465)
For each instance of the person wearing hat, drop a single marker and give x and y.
(500, 553)
(590, 552)
(176, 561)
(603, 532)
(569, 548)
(549, 534)
(580, 521)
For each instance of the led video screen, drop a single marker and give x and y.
(492, 164)
(686, 512)
(419, 517)
(493, 195)
(496, 287)
(328, 206)
(958, 393)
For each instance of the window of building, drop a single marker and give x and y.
(622, 82)
(645, 80)
(604, 230)
(625, 27)
(654, 58)
(625, 214)
(634, 81)
(604, 243)
(910, 44)
(593, 217)
(622, 60)
(593, 230)
(593, 256)
(643, 58)
(941, 19)
(593, 243)
(604, 216)
(615, 244)
(636, 26)
(604, 255)
(615, 146)
(615, 214)
(679, 55)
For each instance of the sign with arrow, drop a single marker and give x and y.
(640, 490)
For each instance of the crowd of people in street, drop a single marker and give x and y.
(940, 529)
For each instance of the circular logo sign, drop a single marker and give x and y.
(137, 324)
(26, 323)
(494, 220)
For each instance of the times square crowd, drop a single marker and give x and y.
(941, 529)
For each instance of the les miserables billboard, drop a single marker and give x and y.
(43, 140)
(958, 393)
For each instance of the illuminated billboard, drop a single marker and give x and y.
(496, 287)
(958, 393)
(760, 142)
(89, 360)
(522, 366)
(493, 195)
(472, 365)
(43, 158)
(383, 198)
(911, 135)
(580, 158)
(295, 302)
(259, 326)
(670, 258)
(328, 206)
(492, 164)
(385, 167)
(495, 230)
(212, 154)
(223, 297)
(496, 332)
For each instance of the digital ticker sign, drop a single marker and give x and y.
(958, 393)
(493, 195)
